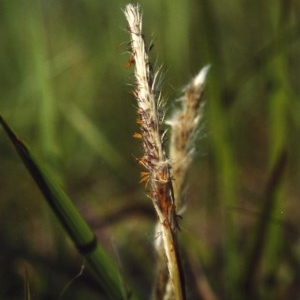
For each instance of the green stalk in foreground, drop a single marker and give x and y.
(76, 227)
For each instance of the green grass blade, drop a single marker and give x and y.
(27, 286)
(263, 228)
(76, 227)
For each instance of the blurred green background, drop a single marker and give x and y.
(66, 90)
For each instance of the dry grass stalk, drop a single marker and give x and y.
(158, 168)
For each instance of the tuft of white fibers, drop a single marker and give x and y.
(199, 79)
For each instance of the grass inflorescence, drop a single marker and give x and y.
(213, 218)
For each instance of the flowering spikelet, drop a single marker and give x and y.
(184, 125)
(150, 117)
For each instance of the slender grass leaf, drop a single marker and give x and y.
(263, 225)
(27, 286)
(76, 227)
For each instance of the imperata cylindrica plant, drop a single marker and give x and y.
(164, 171)
(224, 227)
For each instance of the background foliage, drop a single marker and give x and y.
(65, 88)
